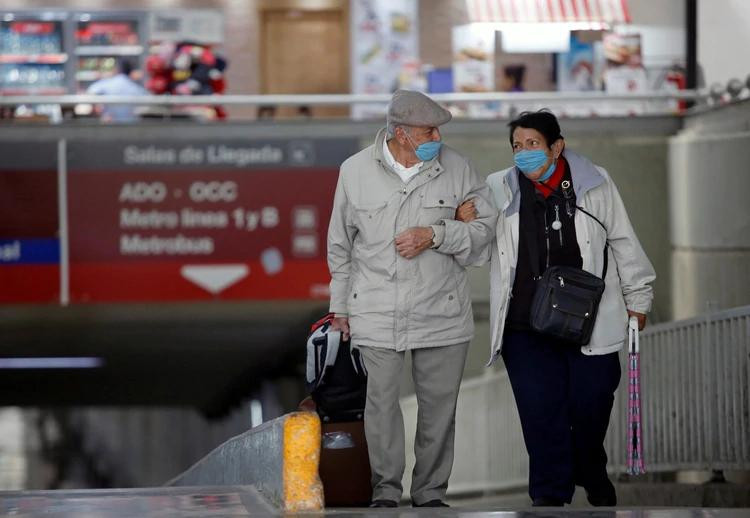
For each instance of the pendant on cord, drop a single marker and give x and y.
(557, 224)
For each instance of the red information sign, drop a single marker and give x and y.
(29, 249)
(158, 230)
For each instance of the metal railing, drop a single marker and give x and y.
(348, 99)
(695, 379)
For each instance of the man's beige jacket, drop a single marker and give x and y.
(399, 303)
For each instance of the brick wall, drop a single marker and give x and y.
(436, 20)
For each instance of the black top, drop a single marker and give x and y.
(562, 244)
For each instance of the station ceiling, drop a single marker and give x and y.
(208, 356)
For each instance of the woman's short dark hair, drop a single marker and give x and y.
(544, 121)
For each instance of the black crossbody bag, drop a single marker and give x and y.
(566, 300)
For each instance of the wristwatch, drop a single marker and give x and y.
(436, 244)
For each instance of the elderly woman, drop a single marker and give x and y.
(559, 209)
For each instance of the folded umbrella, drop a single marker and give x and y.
(635, 425)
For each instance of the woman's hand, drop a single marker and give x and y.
(466, 212)
(641, 319)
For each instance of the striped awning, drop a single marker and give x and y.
(530, 11)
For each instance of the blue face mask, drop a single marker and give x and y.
(426, 150)
(530, 161)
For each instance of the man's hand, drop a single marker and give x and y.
(641, 319)
(341, 324)
(466, 212)
(413, 241)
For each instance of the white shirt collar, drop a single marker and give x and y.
(404, 172)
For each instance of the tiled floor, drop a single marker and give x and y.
(245, 501)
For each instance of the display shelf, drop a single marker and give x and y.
(104, 38)
(48, 90)
(88, 75)
(33, 59)
(109, 50)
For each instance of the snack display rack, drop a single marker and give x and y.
(55, 51)
(34, 53)
(101, 39)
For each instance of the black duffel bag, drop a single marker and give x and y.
(336, 376)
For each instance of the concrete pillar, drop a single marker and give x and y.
(709, 187)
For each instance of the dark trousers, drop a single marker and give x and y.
(564, 399)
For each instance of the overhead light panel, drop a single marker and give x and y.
(82, 362)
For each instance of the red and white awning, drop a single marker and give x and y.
(531, 11)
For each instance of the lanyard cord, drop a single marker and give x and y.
(566, 195)
(532, 246)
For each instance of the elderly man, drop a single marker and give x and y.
(398, 258)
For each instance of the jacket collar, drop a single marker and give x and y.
(583, 172)
(377, 155)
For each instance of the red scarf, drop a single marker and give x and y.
(551, 185)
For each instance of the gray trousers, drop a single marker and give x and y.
(436, 372)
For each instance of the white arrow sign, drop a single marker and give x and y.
(215, 278)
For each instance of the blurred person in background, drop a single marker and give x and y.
(549, 204)
(397, 258)
(266, 112)
(119, 84)
(513, 78)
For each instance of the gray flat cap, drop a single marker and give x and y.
(415, 109)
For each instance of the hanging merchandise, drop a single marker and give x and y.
(186, 68)
(109, 33)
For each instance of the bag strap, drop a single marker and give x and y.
(532, 246)
(319, 323)
(606, 243)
